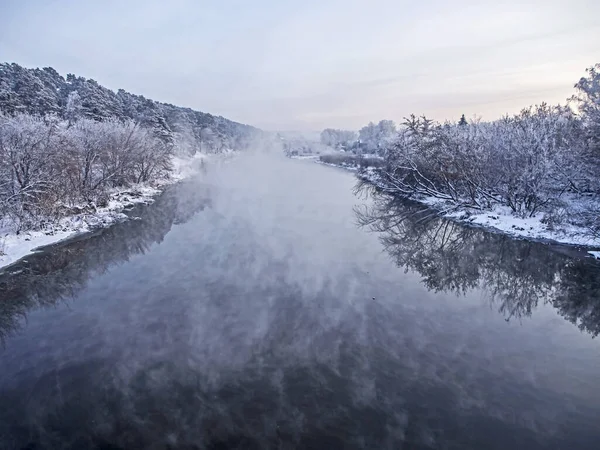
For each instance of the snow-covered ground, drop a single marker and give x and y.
(501, 220)
(13, 247)
(304, 157)
(339, 166)
(316, 159)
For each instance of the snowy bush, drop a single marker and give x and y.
(546, 159)
(587, 99)
(518, 162)
(47, 167)
(29, 171)
(338, 138)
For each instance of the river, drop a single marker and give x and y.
(266, 306)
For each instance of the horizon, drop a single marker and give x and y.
(306, 66)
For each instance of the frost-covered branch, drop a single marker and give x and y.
(546, 159)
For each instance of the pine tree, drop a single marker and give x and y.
(44, 92)
(462, 121)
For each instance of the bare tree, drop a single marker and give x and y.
(27, 158)
(46, 166)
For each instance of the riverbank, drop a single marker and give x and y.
(501, 220)
(89, 217)
(349, 162)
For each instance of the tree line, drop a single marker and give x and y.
(48, 169)
(43, 92)
(545, 159)
(371, 139)
(67, 142)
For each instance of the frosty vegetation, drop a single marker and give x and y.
(350, 160)
(47, 167)
(66, 143)
(371, 138)
(544, 160)
(338, 139)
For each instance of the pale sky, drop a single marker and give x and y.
(312, 64)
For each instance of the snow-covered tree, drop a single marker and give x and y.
(44, 92)
(27, 167)
(525, 162)
(342, 139)
(374, 138)
(73, 107)
(587, 100)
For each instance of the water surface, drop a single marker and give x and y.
(248, 309)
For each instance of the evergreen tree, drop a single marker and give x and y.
(44, 92)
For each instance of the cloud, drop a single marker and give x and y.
(312, 64)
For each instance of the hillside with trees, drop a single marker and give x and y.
(44, 92)
(67, 143)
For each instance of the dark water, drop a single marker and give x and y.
(248, 310)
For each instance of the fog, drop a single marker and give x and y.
(246, 309)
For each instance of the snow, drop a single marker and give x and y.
(595, 253)
(339, 166)
(14, 247)
(304, 156)
(501, 219)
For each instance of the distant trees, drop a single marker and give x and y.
(342, 139)
(44, 92)
(544, 159)
(463, 120)
(373, 138)
(376, 137)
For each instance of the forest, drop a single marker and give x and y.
(68, 141)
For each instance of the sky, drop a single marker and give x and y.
(311, 64)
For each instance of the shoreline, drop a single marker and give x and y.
(501, 221)
(14, 247)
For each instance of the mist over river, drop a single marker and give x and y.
(264, 305)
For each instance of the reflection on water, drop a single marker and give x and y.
(268, 323)
(517, 275)
(56, 274)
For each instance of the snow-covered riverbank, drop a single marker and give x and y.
(316, 159)
(15, 246)
(501, 220)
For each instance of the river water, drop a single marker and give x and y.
(266, 306)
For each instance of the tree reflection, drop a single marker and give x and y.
(517, 275)
(45, 278)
